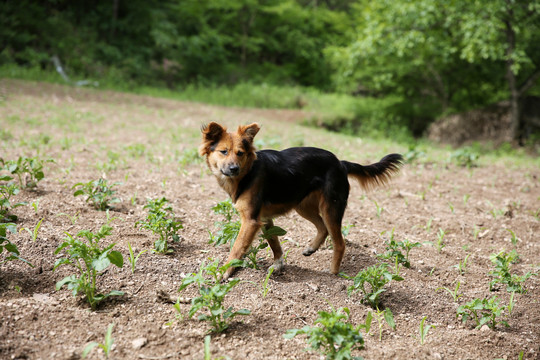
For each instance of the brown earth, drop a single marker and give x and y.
(91, 134)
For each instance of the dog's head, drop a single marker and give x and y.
(228, 155)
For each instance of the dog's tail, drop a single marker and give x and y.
(370, 176)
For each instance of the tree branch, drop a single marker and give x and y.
(527, 84)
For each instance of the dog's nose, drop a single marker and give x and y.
(234, 169)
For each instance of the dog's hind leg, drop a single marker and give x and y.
(309, 210)
(273, 241)
(332, 218)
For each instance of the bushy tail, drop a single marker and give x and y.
(370, 176)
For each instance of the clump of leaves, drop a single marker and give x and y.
(8, 246)
(98, 192)
(161, 221)
(251, 256)
(370, 282)
(483, 311)
(331, 335)
(29, 171)
(227, 230)
(106, 346)
(7, 191)
(502, 274)
(465, 157)
(394, 248)
(85, 254)
(212, 294)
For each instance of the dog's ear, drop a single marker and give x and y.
(211, 133)
(249, 131)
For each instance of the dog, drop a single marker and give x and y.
(267, 183)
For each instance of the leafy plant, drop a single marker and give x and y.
(502, 274)
(454, 293)
(8, 246)
(462, 265)
(423, 330)
(161, 221)
(483, 311)
(331, 335)
(133, 258)
(212, 294)
(465, 157)
(7, 191)
(98, 192)
(90, 260)
(371, 282)
(394, 248)
(251, 256)
(384, 316)
(29, 171)
(106, 346)
(34, 233)
(227, 230)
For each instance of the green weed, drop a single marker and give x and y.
(423, 330)
(8, 246)
(29, 171)
(227, 230)
(34, 233)
(394, 248)
(454, 293)
(370, 282)
(331, 335)
(251, 259)
(465, 157)
(212, 294)
(462, 266)
(382, 317)
(7, 191)
(502, 274)
(98, 192)
(133, 258)
(106, 346)
(90, 260)
(483, 311)
(161, 221)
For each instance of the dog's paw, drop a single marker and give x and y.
(308, 251)
(278, 265)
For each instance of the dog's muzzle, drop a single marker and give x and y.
(231, 170)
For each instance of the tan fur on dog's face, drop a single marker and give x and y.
(228, 155)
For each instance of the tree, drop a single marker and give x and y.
(456, 53)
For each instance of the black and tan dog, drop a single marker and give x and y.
(268, 183)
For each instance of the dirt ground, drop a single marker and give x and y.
(148, 146)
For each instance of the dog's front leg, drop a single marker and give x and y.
(247, 233)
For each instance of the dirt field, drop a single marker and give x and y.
(148, 146)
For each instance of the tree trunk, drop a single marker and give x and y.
(515, 116)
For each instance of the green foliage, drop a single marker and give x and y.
(251, 256)
(98, 192)
(85, 254)
(10, 248)
(423, 330)
(394, 248)
(382, 317)
(454, 293)
(370, 282)
(7, 191)
(465, 157)
(134, 258)
(483, 311)
(502, 274)
(29, 171)
(331, 335)
(227, 230)
(106, 346)
(212, 294)
(161, 221)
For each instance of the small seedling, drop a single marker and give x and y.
(371, 282)
(428, 225)
(35, 206)
(346, 229)
(502, 274)
(7, 191)
(462, 266)
(161, 221)
(331, 335)
(29, 171)
(380, 209)
(5, 244)
(133, 258)
(86, 255)
(384, 316)
(228, 229)
(514, 239)
(440, 240)
(106, 346)
(98, 192)
(34, 233)
(423, 330)
(251, 260)
(483, 311)
(466, 198)
(73, 218)
(212, 294)
(454, 293)
(465, 157)
(394, 247)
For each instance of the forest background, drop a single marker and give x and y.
(377, 68)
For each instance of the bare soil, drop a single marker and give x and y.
(94, 133)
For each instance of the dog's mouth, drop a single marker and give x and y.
(230, 172)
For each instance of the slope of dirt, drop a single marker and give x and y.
(148, 145)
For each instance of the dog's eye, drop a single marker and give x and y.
(224, 152)
(240, 153)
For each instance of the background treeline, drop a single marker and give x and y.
(383, 65)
